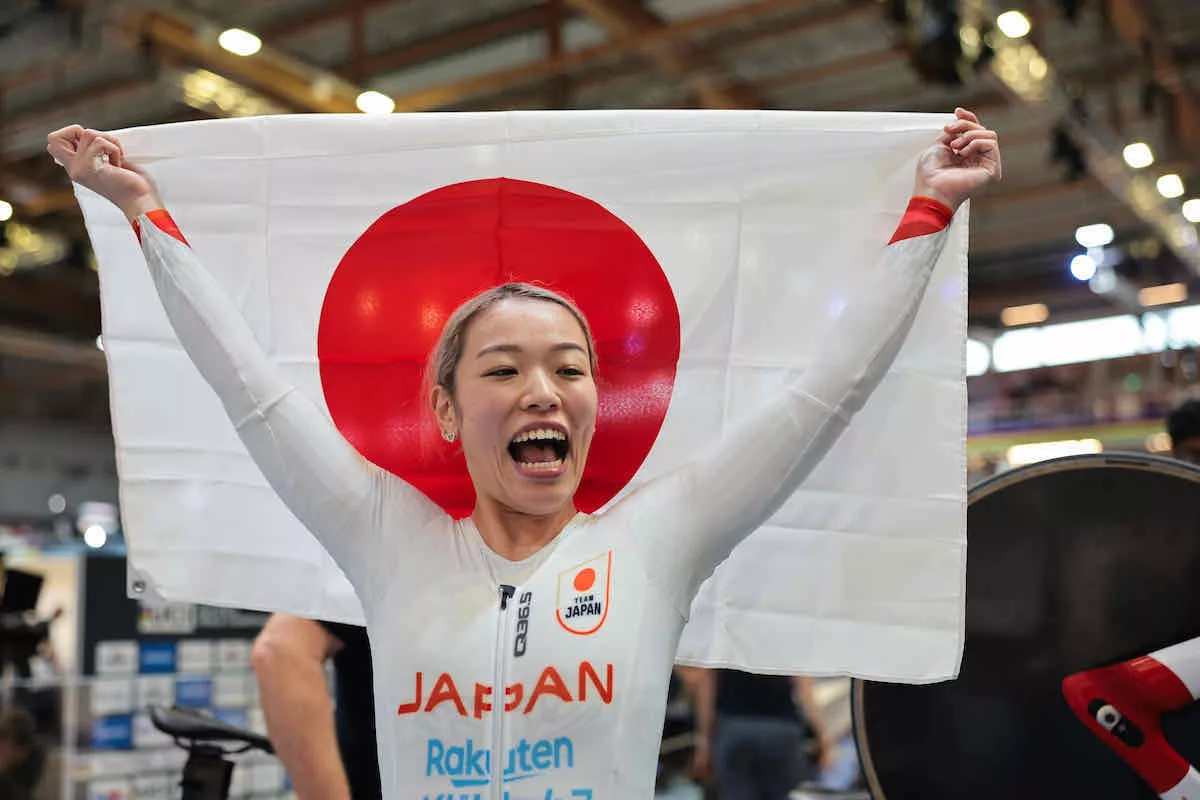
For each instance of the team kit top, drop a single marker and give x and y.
(544, 679)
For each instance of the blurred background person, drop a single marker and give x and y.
(22, 755)
(327, 745)
(753, 732)
(1183, 426)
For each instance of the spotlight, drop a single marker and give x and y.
(1191, 210)
(1083, 267)
(1163, 295)
(1138, 155)
(1096, 235)
(372, 102)
(979, 357)
(1013, 24)
(1170, 186)
(1104, 281)
(6, 211)
(95, 536)
(1024, 315)
(239, 42)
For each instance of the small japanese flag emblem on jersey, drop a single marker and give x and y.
(583, 595)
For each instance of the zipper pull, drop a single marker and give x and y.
(506, 592)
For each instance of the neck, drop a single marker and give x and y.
(516, 535)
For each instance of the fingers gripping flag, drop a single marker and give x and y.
(710, 252)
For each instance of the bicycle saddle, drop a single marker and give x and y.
(184, 724)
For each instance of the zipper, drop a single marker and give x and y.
(499, 698)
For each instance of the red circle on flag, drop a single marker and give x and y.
(398, 283)
(585, 580)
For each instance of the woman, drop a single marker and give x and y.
(524, 652)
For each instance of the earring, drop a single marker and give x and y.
(449, 436)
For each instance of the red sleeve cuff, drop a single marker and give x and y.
(923, 216)
(161, 220)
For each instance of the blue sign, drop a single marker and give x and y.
(231, 716)
(157, 658)
(114, 732)
(193, 692)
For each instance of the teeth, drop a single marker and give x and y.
(544, 465)
(540, 433)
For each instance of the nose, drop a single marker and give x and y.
(540, 392)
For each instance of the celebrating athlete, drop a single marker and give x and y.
(525, 651)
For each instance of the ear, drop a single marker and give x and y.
(443, 410)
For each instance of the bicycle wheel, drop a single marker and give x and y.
(1071, 564)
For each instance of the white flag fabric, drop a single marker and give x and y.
(764, 226)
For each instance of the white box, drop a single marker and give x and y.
(195, 657)
(156, 690)
(117, 658)
(115, 789)
(111, 696)
(233, 655)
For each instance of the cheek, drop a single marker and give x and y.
(480, 416)
(587, 407)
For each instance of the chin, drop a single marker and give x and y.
(544, 499)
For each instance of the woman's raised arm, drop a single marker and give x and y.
(688, 521)
(325, 482)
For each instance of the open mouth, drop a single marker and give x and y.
(539, 449)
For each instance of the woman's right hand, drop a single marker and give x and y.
(96, 160)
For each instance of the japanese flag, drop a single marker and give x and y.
(710, 252)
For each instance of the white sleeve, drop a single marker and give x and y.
(688, 521)
(327, 484)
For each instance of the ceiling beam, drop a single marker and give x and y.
(305, 23)
(1042, 192)
(457, 91)
(716, 88)
(455, 41)
(834, 69)
(43, 303)
(743, 37)
(1135, 22)
(299, 85)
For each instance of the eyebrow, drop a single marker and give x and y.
(516, 348)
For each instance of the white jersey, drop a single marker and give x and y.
(544, 679)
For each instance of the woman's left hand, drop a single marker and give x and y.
(964, 160)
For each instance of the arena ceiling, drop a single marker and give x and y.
(1090, 77)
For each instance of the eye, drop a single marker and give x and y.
(572, 372)
(500, 372)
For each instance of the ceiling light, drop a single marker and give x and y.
(1191, 210)
(239, 42)
(979, 357)
(1013, 24)
(6, 211)
(1022, 454)
(1138, 155)
(372, 102)
(1083, 267)
(1024, 315)
(1161, 295)
(1170, 186)
(1159, 442)
(95, 536)
(1096, 235)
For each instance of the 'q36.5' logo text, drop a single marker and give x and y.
(583, 595)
